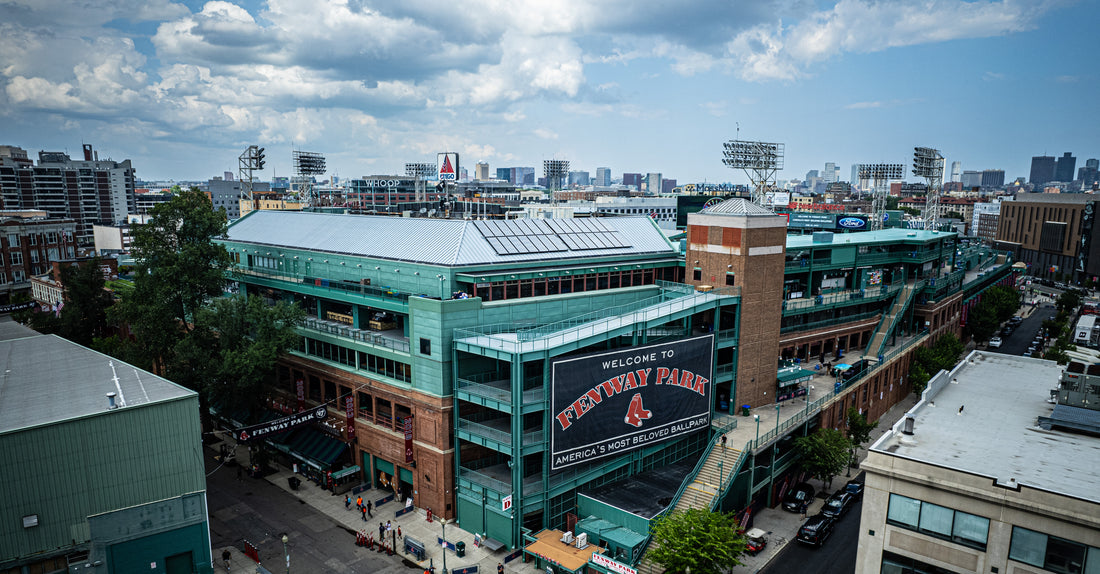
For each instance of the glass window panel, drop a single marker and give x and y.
(972, 528)
(935, 519)
(903, 510)
(1065, 556)
(1092, 563)
(1028, 546)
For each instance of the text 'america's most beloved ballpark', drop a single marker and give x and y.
(607, 404)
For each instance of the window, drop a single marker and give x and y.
(729, 279)
(33, 239)
(34, 256)
(16, 258)
(1053, 553)
(938, 521)
(13, 239)
(697, 274)
(425, 346)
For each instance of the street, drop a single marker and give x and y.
(836, 556)
(256, 511)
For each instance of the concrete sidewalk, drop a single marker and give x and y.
(414, 524)
(782, 526)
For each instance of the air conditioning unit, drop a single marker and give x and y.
(567, 537)
(582, 541)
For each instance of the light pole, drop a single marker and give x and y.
(775, 445)
(443, 523)
(442, 292)
(286, 553)
(756, 443)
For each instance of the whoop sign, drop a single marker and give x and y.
(607, 404)
(448, 166)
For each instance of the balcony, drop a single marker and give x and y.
(491, 386)
(391, 339)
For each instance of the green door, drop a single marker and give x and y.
(178, 564)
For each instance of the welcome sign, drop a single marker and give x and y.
(607, 404)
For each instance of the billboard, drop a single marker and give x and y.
(812, 220)
(609, 403)
(447, 166)
(851, 223)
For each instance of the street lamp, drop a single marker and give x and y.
(443, 523)
(286, 553)
(756, 444)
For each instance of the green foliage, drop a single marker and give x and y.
(178, 269)
(706, 542)
(892, 202)
(998, 304)
(927, 361)
(1068, 301)
(859, 430)
(84, 315)
(233, 347)
(823, 454)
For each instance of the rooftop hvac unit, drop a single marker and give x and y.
(582, 541)
(567, 537)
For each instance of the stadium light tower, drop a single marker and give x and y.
(307, 165)
(877, 174)
(928, 163)
(422, 172)
(554, 170)
(759, 160)
(251, 160)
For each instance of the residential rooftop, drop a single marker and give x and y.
(981, 419)
(47, 379)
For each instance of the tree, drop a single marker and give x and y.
(178, 269)
(859, 431)
(998, 304)
(706, 542)
(1068, 301)
(231, 351)
(84, 315)
(823, 454)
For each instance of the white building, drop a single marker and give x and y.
(968, 481)
(661, 209)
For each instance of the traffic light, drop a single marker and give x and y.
(260, 159)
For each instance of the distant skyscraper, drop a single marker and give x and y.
(855, 175)
(505, 173)
(1042, 169)
(993, 178)
(956, 171)
(603, 176)
(811, 174)
(1089, 174)
(1063, 171)
(481, 171)
(632, 180)
(831, 173)
(971, 179)
(667, 185)
(578, 178)
(653, 183)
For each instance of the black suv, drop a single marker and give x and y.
(838, 504)
(800, 494)
(815, 530)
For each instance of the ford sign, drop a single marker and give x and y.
(851, 223)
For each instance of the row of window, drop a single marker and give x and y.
(937, 521)
(357, 359)
(32, 238)
(1053, 553)
(52, 254)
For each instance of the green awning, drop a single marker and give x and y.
(312, 447)
(345, 472)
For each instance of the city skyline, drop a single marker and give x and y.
(183, 88)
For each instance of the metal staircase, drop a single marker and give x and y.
(890, 320)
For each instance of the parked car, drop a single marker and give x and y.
(838, 504)
(800, 494)
(855, 488)
(994, 342)
(1015, 320)
(755, 541)
(815, 530)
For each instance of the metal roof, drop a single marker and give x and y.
(869, 237)
(47, 379)
(424, 240)
(738, 206)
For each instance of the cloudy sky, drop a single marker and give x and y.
(182, 88)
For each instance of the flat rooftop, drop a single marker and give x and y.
(868, 237)
(996, 432)
(645, 494)
(47, 379)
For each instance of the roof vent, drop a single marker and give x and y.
(111, 401)
(907, 428)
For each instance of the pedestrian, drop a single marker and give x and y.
(381, 532)
(723, 441)
(399, 531)
(369, 506)
(804, 508)
(225, 558)
(389, 527)
(347, 502)
(500, 568)
(359, 503)
(364, 511)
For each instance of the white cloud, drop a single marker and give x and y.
(716, 109)
(546, 134)
(777, 52)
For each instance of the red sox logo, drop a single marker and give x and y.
(636, 413)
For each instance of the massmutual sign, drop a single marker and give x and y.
(607, 404)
